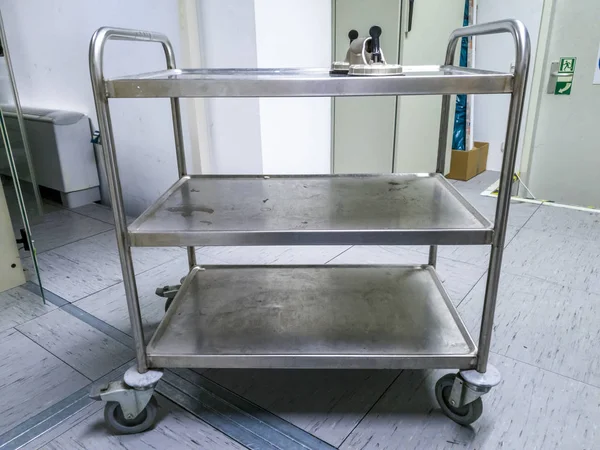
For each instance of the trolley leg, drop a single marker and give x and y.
(179, 148)
(459, 395)
(129, 283)
(441, 157)
(191, 252)
(502, 208)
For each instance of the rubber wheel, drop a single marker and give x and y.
(116, 421)
(464, 415)
(168, 303)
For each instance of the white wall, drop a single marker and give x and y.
(49, 43)
(497, 53)
(228, 39)
(296, 133)
(268, 135)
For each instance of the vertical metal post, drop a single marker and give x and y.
(443, 138)
(96, 55)
(180, 149)
(116, 194)
(178, 135)
(504, 193)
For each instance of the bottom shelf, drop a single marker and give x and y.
(312, 317)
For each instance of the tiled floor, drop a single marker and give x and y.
(546, 338)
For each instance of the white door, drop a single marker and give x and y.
(562, 152)
(385, 134)
(418, 118)
(363, 128)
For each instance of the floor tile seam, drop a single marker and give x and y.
(121, 281)
(72, 242)
(567, 377)
(371, 408)
(93, 293)
(508, 270)
(32, 319)
(68, 309)
(443, 258)
(91, 217)
(484, 274)
(58, 357)
(337, 256)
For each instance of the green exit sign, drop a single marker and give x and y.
(567, 65)
(564, 81)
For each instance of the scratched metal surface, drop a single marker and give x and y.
(218, 210)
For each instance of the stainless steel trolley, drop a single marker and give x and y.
(309, 316)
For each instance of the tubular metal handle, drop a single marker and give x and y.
(522, 50)
(511, 26)
(96, 59)
(102, 35)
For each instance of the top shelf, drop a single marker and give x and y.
(415, 80)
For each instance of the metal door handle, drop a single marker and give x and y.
(352, 35)
(407, 15)
(411, 9)
(554, 74)
(375, 33)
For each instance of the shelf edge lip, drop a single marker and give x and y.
(453, 309)
(304, 361)
(455, 81)
(480, 236)
(463, 201)
(156, 205)
(164, 323)
(299, 72)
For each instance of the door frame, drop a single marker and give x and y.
(539, 81)
(192, 55)
(10, 262)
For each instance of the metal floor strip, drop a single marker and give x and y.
(246, 417)
(245, 408)
(82, 315)
(233, 415)
(50, 296)
(213, 418)
(55, 414)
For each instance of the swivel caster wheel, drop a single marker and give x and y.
(168, 303)
(118, 423)
(462, 415)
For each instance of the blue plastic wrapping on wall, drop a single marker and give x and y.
(460, 117)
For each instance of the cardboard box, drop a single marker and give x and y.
(464, 165)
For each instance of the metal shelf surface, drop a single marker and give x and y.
(312, 317)
(416, 209)
(415, 80)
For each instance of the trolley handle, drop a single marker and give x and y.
(511, 26)
(104, 34)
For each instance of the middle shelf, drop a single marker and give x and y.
(417, 209)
